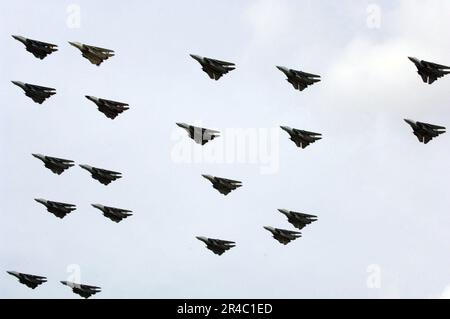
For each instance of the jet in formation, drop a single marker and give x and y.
(425, 132)
(111, 109)
(37, 93)
(223, 185)
(217, 246)
(299, 220)
(214, 68)
(58, 209)
(199, 134)
(31, 281)
(430, 71)
(94, 54)
(302, 138)
(115, 214)
(56, 165)
(84, 291)
(282, 235)
(39, 49)
(102, 175)
(299, 80)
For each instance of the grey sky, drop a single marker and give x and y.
(381, 197)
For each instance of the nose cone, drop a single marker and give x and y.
(201, 238)
(77, 45)
(19, 38)
(13, 273)
(86, 167)
(182, 125)
(286, 128)
(410, 122)
(268, 228)
(41, 200)
(98, 206)
(65, 283)
(92, 98)
(196, 57)
(18, 83)
(414, 60)
(283, 211)
(39, 156)
(283, 69)
(209, 177)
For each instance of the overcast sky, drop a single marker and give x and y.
(381, 196)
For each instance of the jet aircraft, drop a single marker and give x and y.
(37, 93)
(38, 48)
(214, 68)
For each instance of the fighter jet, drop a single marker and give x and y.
(299, 80)
(217, 246)
(429, 71)
(56, 165)
(110, 108)
(95, 55)
(302, 138)
(102, 175)
(299, 220)
(58, 209)
(84, 291)
(115, 214)
(30, 281)
(199, 134)
(425, 132)
(282, 235)
(39, 49)
(37, 93)
(214, 68)
(223, 185)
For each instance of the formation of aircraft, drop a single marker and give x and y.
(59, 165)
(33, 281)
(40, 49)
(215, 69)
